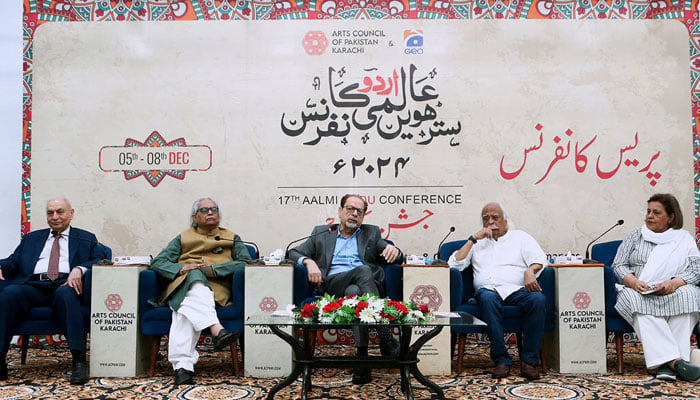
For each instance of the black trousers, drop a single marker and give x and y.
(357, 281)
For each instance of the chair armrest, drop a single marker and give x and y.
(301, 289)
(238, 288)
(609, 281)
(546, 281)
(456, 288)
(393, 279)
(467, 284)
(148, 289)
(87, 287)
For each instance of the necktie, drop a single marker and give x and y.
(53, 258)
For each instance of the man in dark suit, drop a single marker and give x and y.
(46, 269)
(347, 262)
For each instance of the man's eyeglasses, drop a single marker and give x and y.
(205, 210)
(351, 209)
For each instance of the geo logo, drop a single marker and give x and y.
(413, 38)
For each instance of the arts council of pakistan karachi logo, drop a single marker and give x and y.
(315, 43)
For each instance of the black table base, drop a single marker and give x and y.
(304, 360)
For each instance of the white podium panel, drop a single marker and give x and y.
(430, 285)
(117, 349)
(267, 289)
(579, 337)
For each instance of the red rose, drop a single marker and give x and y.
(308, 311)
(360, 306)
(331, 307)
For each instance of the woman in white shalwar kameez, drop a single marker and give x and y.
(659, 268)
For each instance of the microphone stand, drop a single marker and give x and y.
(437, 255)
(255, 246)
(619, 222)
(331, 228)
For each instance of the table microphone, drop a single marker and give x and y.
(255, 246)
(437, 255)
(588, 260)
(104, 260)
(331, 228)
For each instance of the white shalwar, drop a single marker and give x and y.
(196, 313)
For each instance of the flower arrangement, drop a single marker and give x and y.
(367, 308)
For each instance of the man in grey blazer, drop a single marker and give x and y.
(346, 258)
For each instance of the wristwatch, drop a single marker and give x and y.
(472, 239)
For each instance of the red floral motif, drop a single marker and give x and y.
(268, 304)
(581, 300)
(427, 295)
(114, 302)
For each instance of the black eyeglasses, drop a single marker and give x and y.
(351, 209)
(205, 210)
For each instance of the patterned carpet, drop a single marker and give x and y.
(45, 376)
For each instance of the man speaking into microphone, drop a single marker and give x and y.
(46, 269)
(199, 263)
(347, 261)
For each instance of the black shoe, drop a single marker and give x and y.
(183, 377)
(529, 371)
(360, 376)
(223, 339)
(390, 348)
(3, 371)
(79, 375)
(501, 371)
(687, 371)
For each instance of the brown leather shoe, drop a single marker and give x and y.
(501, 371)
(529, 371)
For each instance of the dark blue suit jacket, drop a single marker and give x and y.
(83, 250)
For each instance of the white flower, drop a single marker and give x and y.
(375, 303)
(416, 315)
(368, 315)
(323, 303)
(325, 319)
(350, 302)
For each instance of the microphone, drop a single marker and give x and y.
(104, 261)
(619, 222)
(437, 255)
(255, 246)
(331, 228)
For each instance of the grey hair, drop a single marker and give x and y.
(195, 207)
(509, 224)
(59, 198)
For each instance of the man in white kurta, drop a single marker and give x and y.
(506, 264)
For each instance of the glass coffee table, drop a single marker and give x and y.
(304, 360)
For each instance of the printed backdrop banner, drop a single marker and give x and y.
(572, 125)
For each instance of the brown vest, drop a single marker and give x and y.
(198, 248)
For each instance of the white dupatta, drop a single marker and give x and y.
(669, 257)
